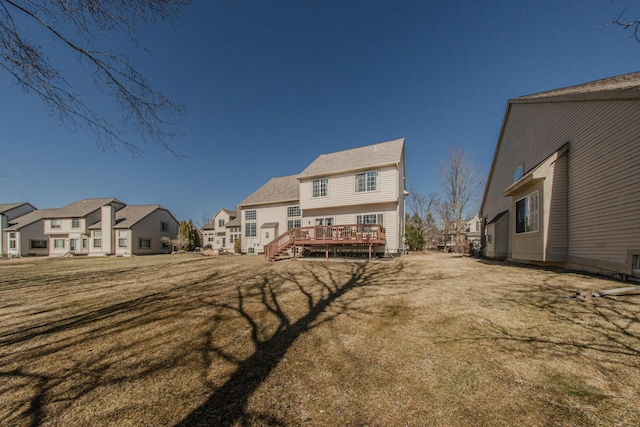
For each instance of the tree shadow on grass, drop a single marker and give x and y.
(228, 403)
(68, 358)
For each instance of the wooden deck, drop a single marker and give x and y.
(349, 234)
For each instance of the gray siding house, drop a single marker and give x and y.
(563, 185)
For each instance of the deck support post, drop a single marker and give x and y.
(369, 250)
(326, 252)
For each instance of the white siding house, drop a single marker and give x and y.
(69, 232)
(25, 235)
(563, 185)
(138, 230)
(9, 212)
(217, 233)
(365, 185)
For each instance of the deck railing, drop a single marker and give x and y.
(327, 235)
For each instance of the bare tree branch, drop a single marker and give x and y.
(144, 109)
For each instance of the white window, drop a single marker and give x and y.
(293, 223)
(55, 223)
(58, 243)
(293, 211)
(221, 223)
(123, 243)
(250, 215)
(75, 223)
(527, 214)
(367, 181)
(84, 243)
(12, 235)
(250, 229)
(370, 219)
(251, 250)
(38, 244)
(122, 233)
(12, 244)
(320, 187)
(144, 243)
(97, 243)
(164, 226)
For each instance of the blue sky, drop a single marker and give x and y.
(269, 86)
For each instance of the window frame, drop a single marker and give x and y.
(55, 224)
(43, 244)
(75, 222)
(320, 188)
(523, 207)
(366, 182)
(56, 244)
(294, 223)
(251, 229)
(145, 239)
(164, 226)
(294, 211)
(251, 215)
(123, 242)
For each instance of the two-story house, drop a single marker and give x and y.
(25, 235)
(138, 230)
(68, 227)
(217, 232)
(9, 212)
(347, 200)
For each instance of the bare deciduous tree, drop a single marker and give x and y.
(633, 24)
(461, 184)
(205, 219)
(76, 25)
(422, 218)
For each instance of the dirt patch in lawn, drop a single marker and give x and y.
(423, 340)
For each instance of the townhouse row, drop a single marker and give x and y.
(96, 227)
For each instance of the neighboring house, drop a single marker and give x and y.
(355, 198)
(9, 212)
(25, 235)
(563, 185)
(473, 230)
(69, 227)
(138, 230)
(216, 232)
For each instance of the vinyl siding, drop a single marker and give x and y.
(348, 215)
(276, 212)
(603, 172)
(150, 227)
(341, 190)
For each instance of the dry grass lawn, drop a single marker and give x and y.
(425, 340)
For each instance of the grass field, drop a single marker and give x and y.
(425, 340)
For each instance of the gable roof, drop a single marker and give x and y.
(278, 189)
(128, 216)
(24, 220)
(625, 86)
(80, 208)
(211, 225)
(8, 206)
(376, 155)
(235, 222)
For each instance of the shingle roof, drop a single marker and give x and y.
(623, 86)
(8, 206)
(128, 216)
(80, 208)
(211, 224)
(384, 153)
(279, 189)
(269, 225)
(30, 218)
(235, 222)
